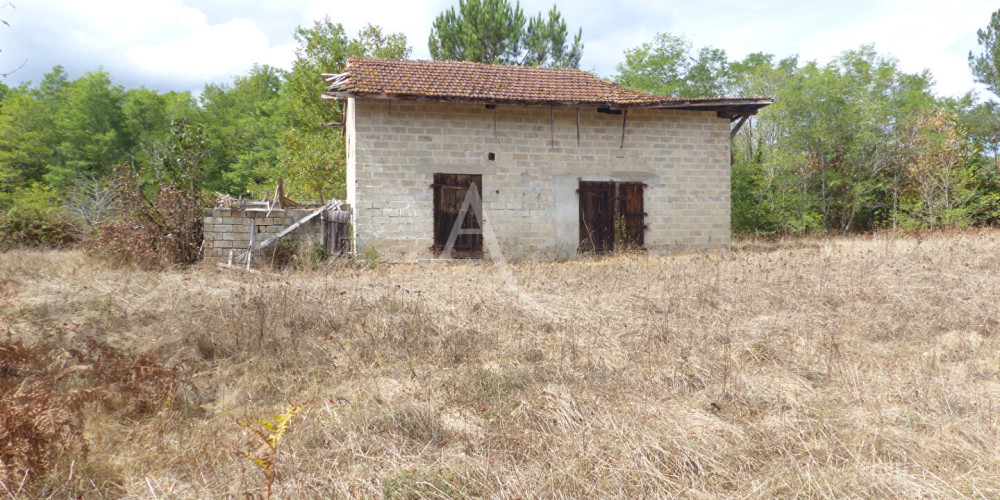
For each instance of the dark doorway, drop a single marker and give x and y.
(453, 202)
(611, 216)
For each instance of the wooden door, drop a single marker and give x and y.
(450, 194)
(597, 227)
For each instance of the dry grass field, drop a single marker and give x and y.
(844, 367)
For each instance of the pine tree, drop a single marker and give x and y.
(493, 31)
(986, 66)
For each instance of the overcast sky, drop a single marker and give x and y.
(184, 44)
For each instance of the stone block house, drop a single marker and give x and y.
(473, 160)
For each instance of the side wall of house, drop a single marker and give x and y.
(529, 191)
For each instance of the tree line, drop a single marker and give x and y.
(855, 144)
(63, 141)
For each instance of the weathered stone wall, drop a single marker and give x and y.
(529, 190)
(229, 229)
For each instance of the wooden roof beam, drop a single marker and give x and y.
(739, 125)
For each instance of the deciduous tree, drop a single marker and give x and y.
(666, 66)
(310, 156)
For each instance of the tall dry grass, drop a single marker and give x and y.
(848, 367)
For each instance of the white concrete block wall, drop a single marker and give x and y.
(529, 190)
(228, 229)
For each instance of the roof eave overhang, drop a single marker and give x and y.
(726, 108)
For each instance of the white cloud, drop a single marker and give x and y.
(183, 44)
(923, 34)
(210, 52)
(920, 34)
(162, 43)
(412, 18)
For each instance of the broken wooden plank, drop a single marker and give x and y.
(253, 231)
(295, 226)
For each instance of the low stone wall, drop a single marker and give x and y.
(228, 229)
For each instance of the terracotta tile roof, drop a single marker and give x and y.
(476, 82)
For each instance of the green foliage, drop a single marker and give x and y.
(163, 227)
(938, 172)
(262, 126)
(852, 145)
(243, 123)
(64, 132)
(182, 165)
(986, 66)
(371, 258)
(312, 158)
(981, 120)
(751, 212)
(148, 118)
(838, 149)
(488, 31)
(87, 113)
(26, 139)
(666, 66)
(309, 156)
(493, 31)
(371, 42)
(34, 217)
(267, 124)
(546, 44)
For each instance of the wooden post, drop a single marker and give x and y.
(624, 119)
(552, 125)
(281, 192)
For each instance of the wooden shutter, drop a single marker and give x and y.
(597, 220)
(450, 191)
(631, 216)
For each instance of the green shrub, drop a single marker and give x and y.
(371, 258)
(280, 255)
(35, 218)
